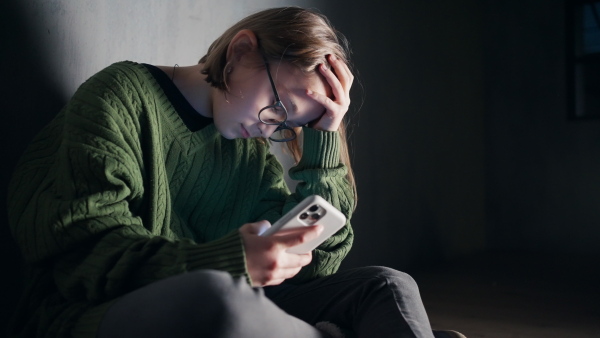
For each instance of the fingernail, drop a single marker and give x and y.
(333, 57)
(309, 92)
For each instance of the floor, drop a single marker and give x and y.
(514, 295)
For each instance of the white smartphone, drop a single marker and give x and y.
(311, 211)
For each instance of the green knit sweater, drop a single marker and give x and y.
(117, 192)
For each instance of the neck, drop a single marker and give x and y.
(191, 83)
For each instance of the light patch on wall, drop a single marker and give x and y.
(79, 38)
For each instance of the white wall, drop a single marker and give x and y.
(78, 38)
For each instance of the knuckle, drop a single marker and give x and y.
(262, 281)
(301, 239)
(270, 246)
(269, 276)
(273, 266)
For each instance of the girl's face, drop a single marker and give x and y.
(235, 113)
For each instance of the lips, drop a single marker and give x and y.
(245, 133)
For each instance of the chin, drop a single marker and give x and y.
(224, 133)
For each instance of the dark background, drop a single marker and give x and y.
(461, 145)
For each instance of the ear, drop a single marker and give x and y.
(242, 43)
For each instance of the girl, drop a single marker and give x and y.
(138, 207)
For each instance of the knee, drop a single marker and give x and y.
(383, 272)
(233, 308)
(393, 279)
(228, 302)
(215, 288)
(207, 298)
(192, 304)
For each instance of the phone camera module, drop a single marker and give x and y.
(315, 216)
(313, 208)
(304, 216)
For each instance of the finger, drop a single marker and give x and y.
(292, 231)
(342, 71)
(287, 268)
(333, 81)
(340, 92)
(281, 276)
(292, 264)
(333, 116)
(305, 232)
(323, 100)
(256, 228)
(302, 235)
(304, 259)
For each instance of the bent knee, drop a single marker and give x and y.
(393, 278)
(389, 273)
(176, 306)
(217, 288)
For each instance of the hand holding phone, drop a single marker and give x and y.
(312, 210)
(267, 260)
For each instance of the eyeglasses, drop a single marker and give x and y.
(276, 115)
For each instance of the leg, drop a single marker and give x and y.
(372, 302)
(200, 304)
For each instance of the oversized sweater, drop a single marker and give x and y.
(118, 191)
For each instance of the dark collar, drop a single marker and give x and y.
(190, 117)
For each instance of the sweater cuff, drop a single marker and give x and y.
(321, 149)
(224, 254)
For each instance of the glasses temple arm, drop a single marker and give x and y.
(271, 78)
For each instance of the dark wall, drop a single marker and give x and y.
(542, 170)
(29, 100)
(418, 138)
(463, 142)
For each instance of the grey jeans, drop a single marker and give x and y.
(365, 302)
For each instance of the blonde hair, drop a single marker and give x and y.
(301, 37)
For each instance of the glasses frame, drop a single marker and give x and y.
(280, 125)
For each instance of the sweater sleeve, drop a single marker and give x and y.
(319, 172)
(83, 200)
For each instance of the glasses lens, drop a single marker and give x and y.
(282, 135)
(272, 115)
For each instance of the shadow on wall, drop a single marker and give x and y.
(29, 101)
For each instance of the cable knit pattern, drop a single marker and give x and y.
(116, 193)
